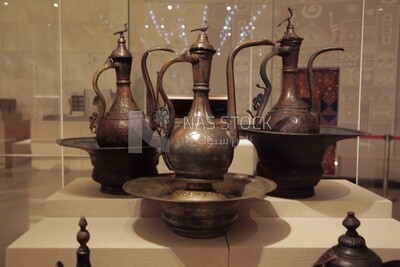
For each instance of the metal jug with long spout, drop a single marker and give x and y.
(112, 128)
(290, 113)
(289, 141)
(203, 147)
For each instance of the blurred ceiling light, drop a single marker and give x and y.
(169, 7)
(55, 4)
(5, 3)
(228, 8)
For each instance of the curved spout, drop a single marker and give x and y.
(151, 104)
(313, 93)
(230, 79)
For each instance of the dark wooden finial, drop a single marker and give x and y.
(83, 252)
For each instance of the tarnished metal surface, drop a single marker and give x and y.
(200, 199)
(200, 148)
(199, 209)
(351, 251)
(289, 141)
(113, 166)
(293, 160)
(203, 147)
(112, 127)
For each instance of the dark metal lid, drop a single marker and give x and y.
(202, 42)
(351, 250)
(121, 51)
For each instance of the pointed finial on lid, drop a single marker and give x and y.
(121, 51)
(351, 238)
(289, 33)
(202, 42)
(121, 32)
(288, 18)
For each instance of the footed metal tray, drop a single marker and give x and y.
(234, 186)
(200, 208)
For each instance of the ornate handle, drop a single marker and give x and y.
(151, 101)
(231, 85)
(166, 130)
(108, 64)
(261, 100)
(313, 93)
(99, 101)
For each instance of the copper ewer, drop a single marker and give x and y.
(200, 199)
(289, 141)
(120, 153)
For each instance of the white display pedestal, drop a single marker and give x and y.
(127, 231)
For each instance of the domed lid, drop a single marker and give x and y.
(202, 42)
(351, 250)
(121, 51)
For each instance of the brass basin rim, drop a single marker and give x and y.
(328, 131)
(90, 143)
(257, 187)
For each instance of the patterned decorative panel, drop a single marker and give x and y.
(326, 82)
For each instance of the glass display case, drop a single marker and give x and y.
(51, 50)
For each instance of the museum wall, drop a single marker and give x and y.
(50, 53)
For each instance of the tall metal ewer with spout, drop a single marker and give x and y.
(200, 148)
(290, 114)
(121, 150)
(200, 199)
(289, 141)
(112, 127)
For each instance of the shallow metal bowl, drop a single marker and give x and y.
(199, 213)
(113, 166)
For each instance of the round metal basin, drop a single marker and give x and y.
(199, 209)
(113, 166)
(293, 160)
